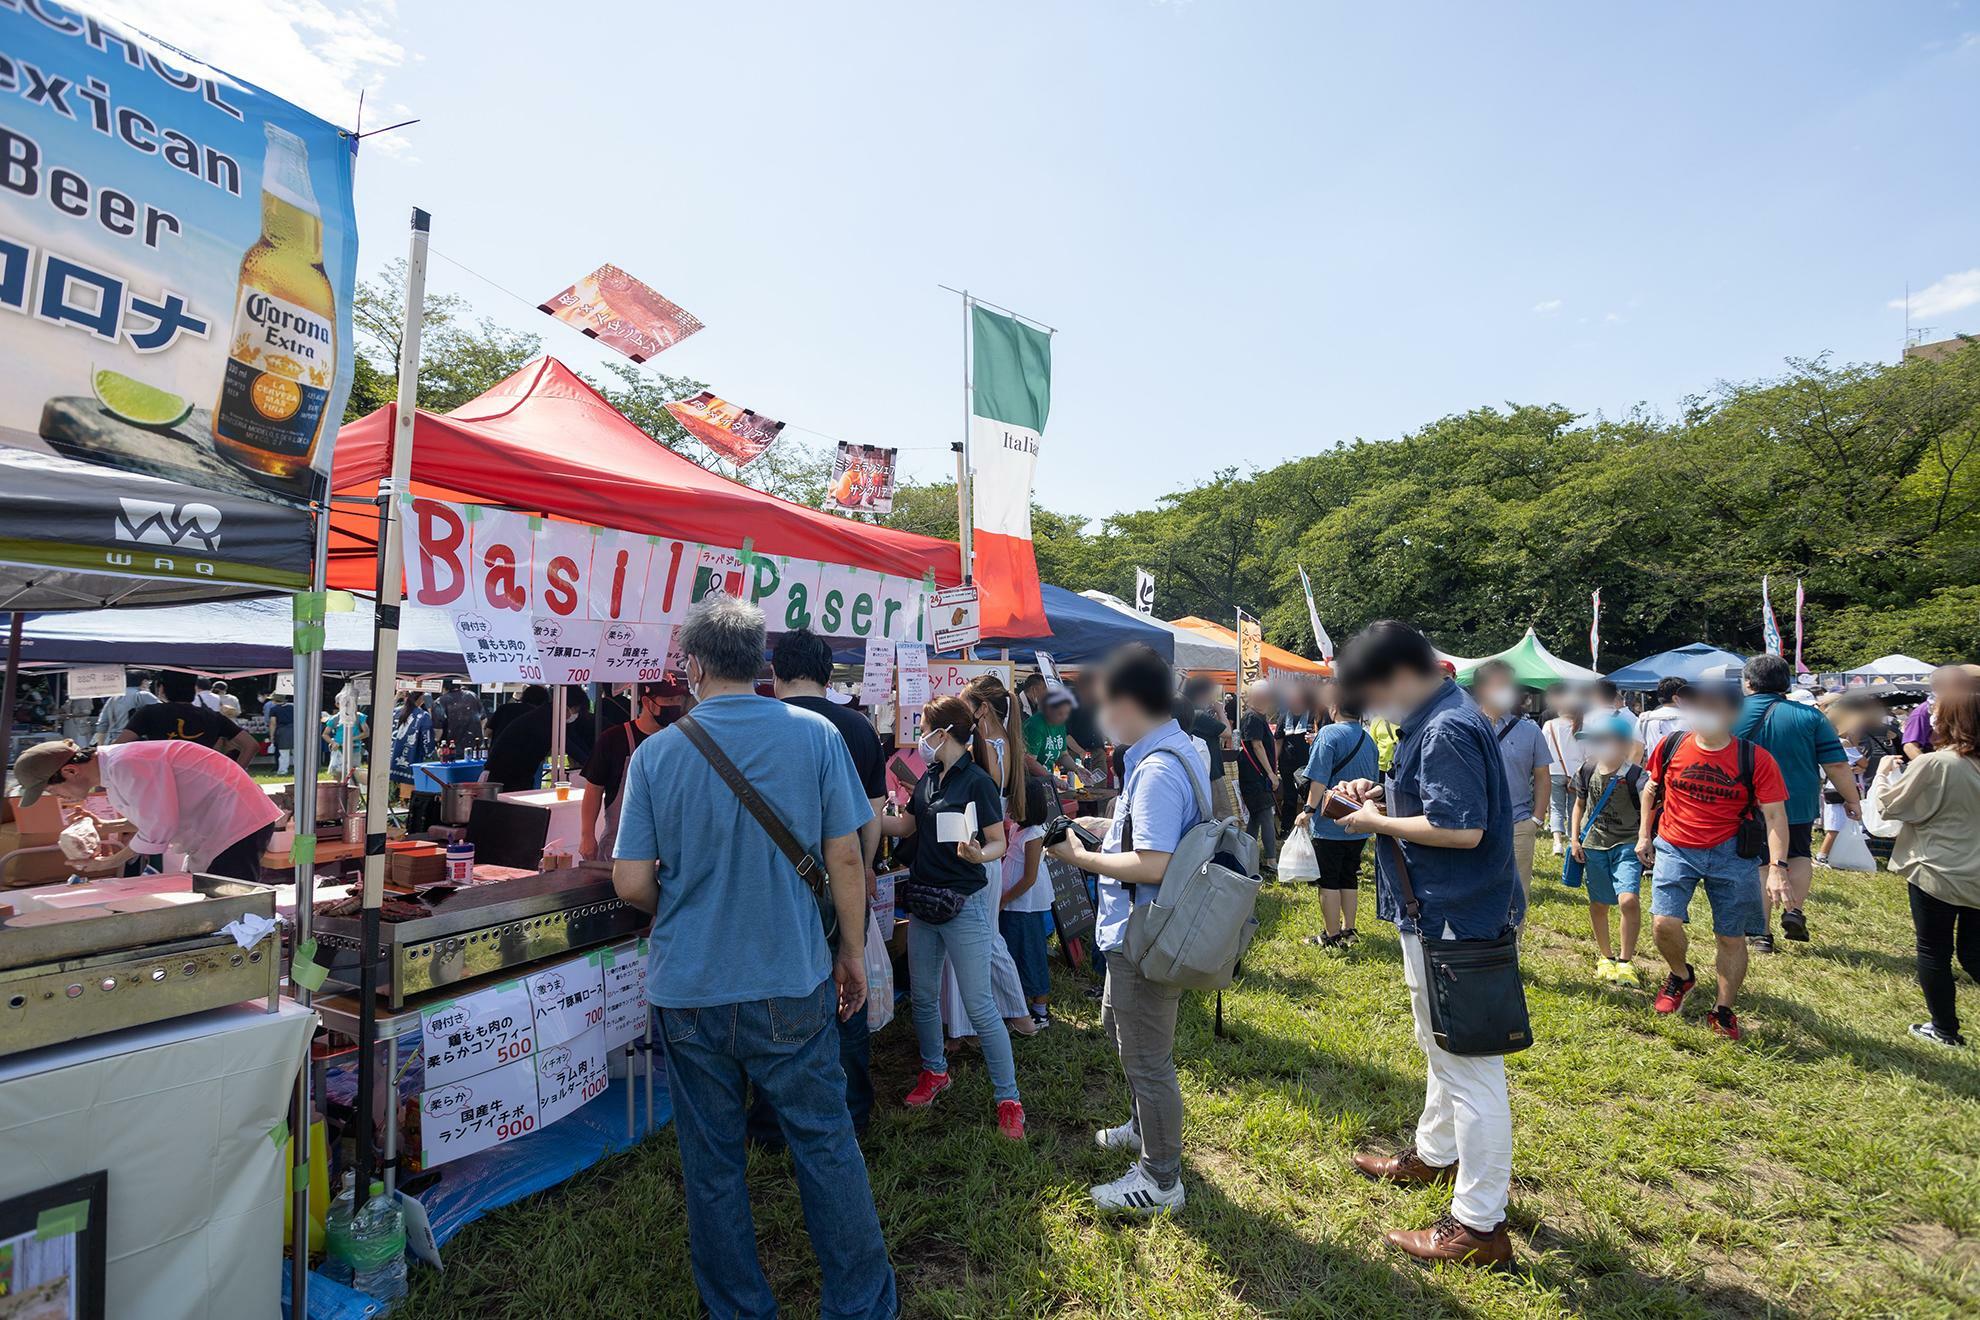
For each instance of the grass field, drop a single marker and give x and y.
(1826, 1165)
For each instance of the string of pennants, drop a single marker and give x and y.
(539, 600)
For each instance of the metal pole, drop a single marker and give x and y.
(308, 700)
(384, 670)
(10, 689)
(965, 520)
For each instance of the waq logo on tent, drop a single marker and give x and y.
(154, 522)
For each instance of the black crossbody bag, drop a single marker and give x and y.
(810, 868)
(1477, 1001)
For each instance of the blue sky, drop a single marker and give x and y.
(1260, 229)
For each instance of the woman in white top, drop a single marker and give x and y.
(1027, 890)
(1560, 732)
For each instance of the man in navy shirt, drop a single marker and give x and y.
(739, 969)
(1446, 810)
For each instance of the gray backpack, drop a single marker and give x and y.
(1201, 921)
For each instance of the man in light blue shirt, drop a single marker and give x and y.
(1342, 752)
(1528, 760)
(1166, 794)
(739, 971)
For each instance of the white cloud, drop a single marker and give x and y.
(1954, 293)
(317, 53)
(1549, 307)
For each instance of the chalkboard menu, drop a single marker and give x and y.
(1072, 910)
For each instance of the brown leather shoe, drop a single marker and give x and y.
(1407, 1167)
(1448, 1240)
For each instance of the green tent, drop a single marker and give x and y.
(1533, 664)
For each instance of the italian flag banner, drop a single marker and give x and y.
(1010, 396)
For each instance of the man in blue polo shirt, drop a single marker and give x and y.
(739, 969)
(1446, 810)
(1805, 746)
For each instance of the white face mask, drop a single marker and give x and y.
(1710, 723)
(1496, 698)
(930, 744)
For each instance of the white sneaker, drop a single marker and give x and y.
(1125, 1137)
(1138, 1194)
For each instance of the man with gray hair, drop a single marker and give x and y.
(739, 972)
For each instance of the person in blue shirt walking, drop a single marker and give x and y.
(1804, 745)
(1445, 811)
(745, 988)
(1342, 751)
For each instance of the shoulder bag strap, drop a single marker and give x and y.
(1588, 826)
(1411, 908)
(1746, 759)
(1510, 725)
(808, 866)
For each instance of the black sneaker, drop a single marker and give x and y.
(1761, 943)
(1930, 1031)
(1794, 925)
(1041, 1020)
(1350, 936)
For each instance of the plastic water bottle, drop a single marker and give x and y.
(337, 1234)
(378, 1242)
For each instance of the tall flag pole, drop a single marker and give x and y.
(964, 530)
(1594, 628)
(1770, 630)
(1320, 637)
(1008, 373)
(1800, 602)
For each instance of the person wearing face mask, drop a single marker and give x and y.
(605, 771)
(954, 790)
(1528, 760)
(1608, 701)
(1704, 782)
(1166, 780)
(1561, 729)
(1445, 814)
(748, 991)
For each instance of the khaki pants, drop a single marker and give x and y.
(1525, 834)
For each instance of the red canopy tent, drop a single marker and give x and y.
(546, 443)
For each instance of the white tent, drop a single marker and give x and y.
(1534, 664)
(1893, 668)
(1194, 651)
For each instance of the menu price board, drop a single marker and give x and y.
(485, 1110)
(477, 1033)
(567, 1000)
(570, 1075)
(625, 995)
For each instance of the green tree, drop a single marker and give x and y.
(459, 357)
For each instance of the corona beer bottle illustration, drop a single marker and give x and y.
(282, 354)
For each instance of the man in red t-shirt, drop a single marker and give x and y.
(1697, 778)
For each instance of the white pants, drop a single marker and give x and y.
(1466, 1119)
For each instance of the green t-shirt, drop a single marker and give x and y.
(1045, 740)
(1622, 816)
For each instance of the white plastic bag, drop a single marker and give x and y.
(80, 841)
(879, 976)
(1297, 860)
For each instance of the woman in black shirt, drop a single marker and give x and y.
(956, 787)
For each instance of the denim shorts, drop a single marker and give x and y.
(1732, 887)
(1612, 871)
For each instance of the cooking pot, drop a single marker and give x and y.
(457, 800)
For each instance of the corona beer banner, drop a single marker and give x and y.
(177, 252)
(622, 313)
(540, 600)
(736, 434)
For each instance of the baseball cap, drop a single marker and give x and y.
(1058, 694)
(37, 767)
(1608, 726)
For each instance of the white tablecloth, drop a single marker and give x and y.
(179, 1113)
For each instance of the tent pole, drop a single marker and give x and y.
(308, 702)
(384, 673)
(11, 688)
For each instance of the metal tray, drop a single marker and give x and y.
(226, 900)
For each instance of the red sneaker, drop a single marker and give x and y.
(1724, 1022)
(1675, 989)
(926, 1088)
(1010, 1119)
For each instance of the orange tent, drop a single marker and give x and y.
(1276, 658)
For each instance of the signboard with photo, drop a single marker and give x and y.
(737, 434)
(622, 313)
(862, 479)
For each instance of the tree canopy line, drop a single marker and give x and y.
(1862, 480)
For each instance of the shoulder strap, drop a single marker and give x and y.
(1190, 766)
(1411, 908)
(1608, 790)
(1746, 759)
(1354, 751)
(1666, 750)
(808, 866)
(1511, 724)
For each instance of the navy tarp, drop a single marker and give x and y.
(1685, 662)
(1083, 632)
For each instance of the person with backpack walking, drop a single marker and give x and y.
(1804, 745)
(1607, 817)
(1444, 875)
(1162, 800)
(1718, 805)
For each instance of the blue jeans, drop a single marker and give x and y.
(1024, 934)
(789, 1050)
(965, 938)
(856, 1058)
(1560, 804)
(1732, 886)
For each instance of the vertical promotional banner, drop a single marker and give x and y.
(1251, 651)
(1144, 591)
(1010, 397)
(618, 574)
(862, 479)
(177, 257)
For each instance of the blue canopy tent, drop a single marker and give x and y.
(1083, 632)
(1685, 662)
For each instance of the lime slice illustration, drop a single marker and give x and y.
(139, 404)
